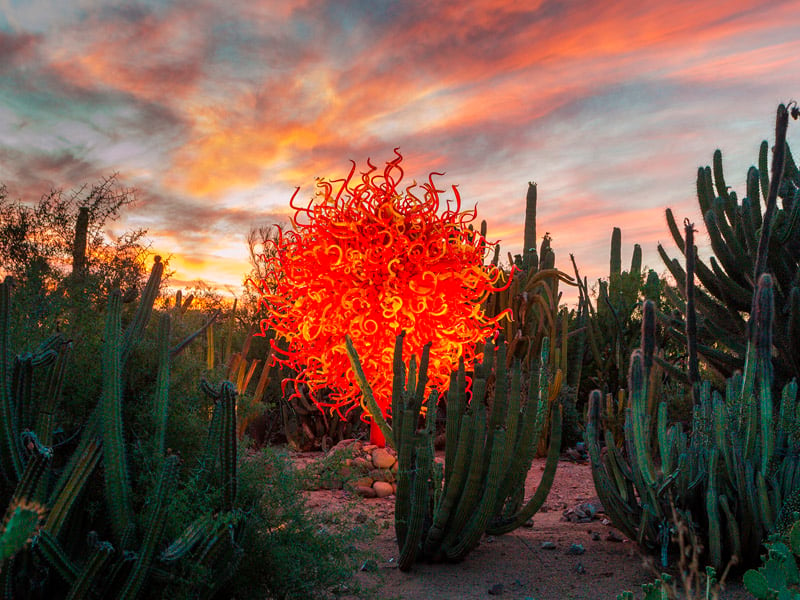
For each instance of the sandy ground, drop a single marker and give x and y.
(515, 566)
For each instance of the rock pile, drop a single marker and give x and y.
(366, 469)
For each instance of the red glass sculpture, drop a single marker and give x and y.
(370, 259)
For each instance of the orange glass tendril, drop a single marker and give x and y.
(370, 259)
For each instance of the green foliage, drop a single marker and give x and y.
(442, 512)
(728, 475)
(778, 577)
(292, 551)
(80, 498)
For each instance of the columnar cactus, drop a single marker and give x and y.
(441, 513)
(124, 569)
(730, 475)
(747, 239)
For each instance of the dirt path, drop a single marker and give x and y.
(515, 566)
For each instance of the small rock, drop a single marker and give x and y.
(370, 566)
(382, 475)
(528, 524)
(368, 447)
(496, 589)
(382, 459)
(363, 482)
(579, 568)
(362, 464)
(548, 546)
(395, 466)
(606, 522)
(366, 492)
(595, 536)
(576, 549)
(613, 536)
(342, 444)
(489, 539)
(382, 489)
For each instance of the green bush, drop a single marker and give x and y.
(290, 551)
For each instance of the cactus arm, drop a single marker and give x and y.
(456, 404)
(615, 263)
(454, 484)
(117, 484)
(540, 495)
(639, 419)
(135, 328)
(87, 576)
(207, 327)
(469, 499)
(529, 258)
(774, 182)
(398, 378)
(734, 535)
(228, 449)
(154, 530)
(162, 383)
(67, 495)
(53, 553)
(366, 391)
(476, 526)
(719, 175)
(419, 502)
(712, 509)
(11, 462)
(189, 538)
(52, 394)
(705, 194)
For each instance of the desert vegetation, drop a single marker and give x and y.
(150, 436)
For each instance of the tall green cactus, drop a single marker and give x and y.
(123, 572)
(612, 320)
(730, 475)
(118, 487)
(441, 513)
(748, 237)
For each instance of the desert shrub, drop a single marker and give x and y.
(291, 552)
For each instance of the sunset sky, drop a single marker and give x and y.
(216, 111)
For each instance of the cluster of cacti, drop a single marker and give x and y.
(745, 235)
(308, 427)
(611, 325)
(441, 512)
(57, 561)
(534, 298)
(729, 475)
(778, 577)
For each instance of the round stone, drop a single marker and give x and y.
(366, 492)
(382, 489)
(382, 458)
